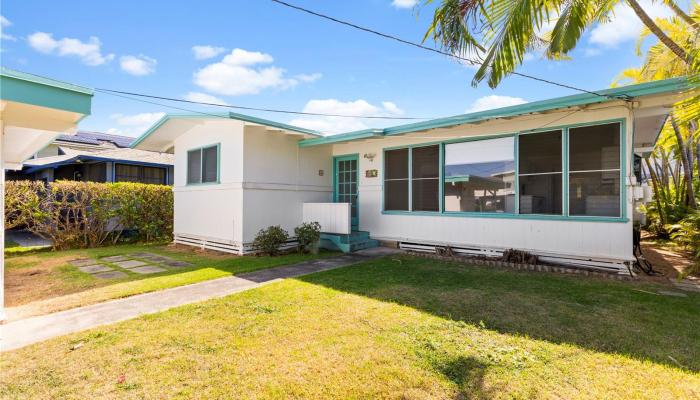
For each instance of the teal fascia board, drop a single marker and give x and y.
(619, 93)
(363, 134)
(224, 115)
(36, 90)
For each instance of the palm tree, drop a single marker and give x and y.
(509, 29)
(661, 62)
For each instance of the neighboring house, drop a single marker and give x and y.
(552, 177)
(97, 157)
(33, 111)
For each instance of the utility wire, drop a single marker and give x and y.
(434, 50)
(272, 110)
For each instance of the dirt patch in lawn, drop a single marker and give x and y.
(37, 279)
(189, 250)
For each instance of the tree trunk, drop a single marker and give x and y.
(681, 14)
(687, 167)
(667, 41)
(655, 187)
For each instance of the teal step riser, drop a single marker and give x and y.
(338, 242)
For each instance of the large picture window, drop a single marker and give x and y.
(594, 170)
(540, 173)
(480, 176)
(203, 165)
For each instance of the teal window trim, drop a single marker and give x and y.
(201, 165)
(516, 214)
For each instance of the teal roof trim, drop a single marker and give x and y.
(224, 115)
(619, 93)
(22, 87)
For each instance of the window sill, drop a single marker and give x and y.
(203, 184)
(540, 217)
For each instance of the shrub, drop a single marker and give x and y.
(268, 241)
(308, 234)
(88, 214)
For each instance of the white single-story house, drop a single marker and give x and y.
(555, 178)
(33, 112)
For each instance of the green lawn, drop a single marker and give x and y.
(42, 282)
(398, 327)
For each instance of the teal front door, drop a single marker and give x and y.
(345, 178)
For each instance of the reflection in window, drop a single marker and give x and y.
(480, 176)
(594, 170)
(540, 173)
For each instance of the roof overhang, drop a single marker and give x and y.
(34, 111)
(163, 133)
(671, 89)
(31, 168)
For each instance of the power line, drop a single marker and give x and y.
(420, 46)
(272, 110)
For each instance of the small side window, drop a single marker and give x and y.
(203, 165)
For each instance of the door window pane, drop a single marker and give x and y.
(425, 178)
(594, 170)
(540, 173)
(480, 176)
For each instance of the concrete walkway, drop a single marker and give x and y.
(36, 329)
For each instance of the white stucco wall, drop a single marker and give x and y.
(212, 211)
(279, 177)
(611, 240)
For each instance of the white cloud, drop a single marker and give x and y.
(5, 23)
(494, 101)
(135, 124)
(89, 52)
(404, 3)
(203, 98)
(360, 108)
(204, 52)
(138, 65)
(624, 24)
(308, 78)
(240, 72)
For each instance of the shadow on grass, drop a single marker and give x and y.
(604, 316)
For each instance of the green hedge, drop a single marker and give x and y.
(88, 214)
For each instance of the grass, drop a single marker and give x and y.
(44, 282)
(398, 327)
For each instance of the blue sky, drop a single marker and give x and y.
(259, 54)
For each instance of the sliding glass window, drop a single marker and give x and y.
(594, 170)
(396, 180)
(480, 176)
(203, 165)
(540, 173)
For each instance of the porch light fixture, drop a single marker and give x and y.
(370, 156)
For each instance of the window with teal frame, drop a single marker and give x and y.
(203, 165)
(570, 172)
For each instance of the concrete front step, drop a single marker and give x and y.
(355, 241)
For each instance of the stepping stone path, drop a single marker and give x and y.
(110, 275)
(129, 264)
(116, 267)
(92, 269)
(148, 269)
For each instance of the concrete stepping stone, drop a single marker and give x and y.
(176, 264)
(129, 264)
(91, 269)
(82, 262)
(115, 258)
(148, 269)
(111, 275)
